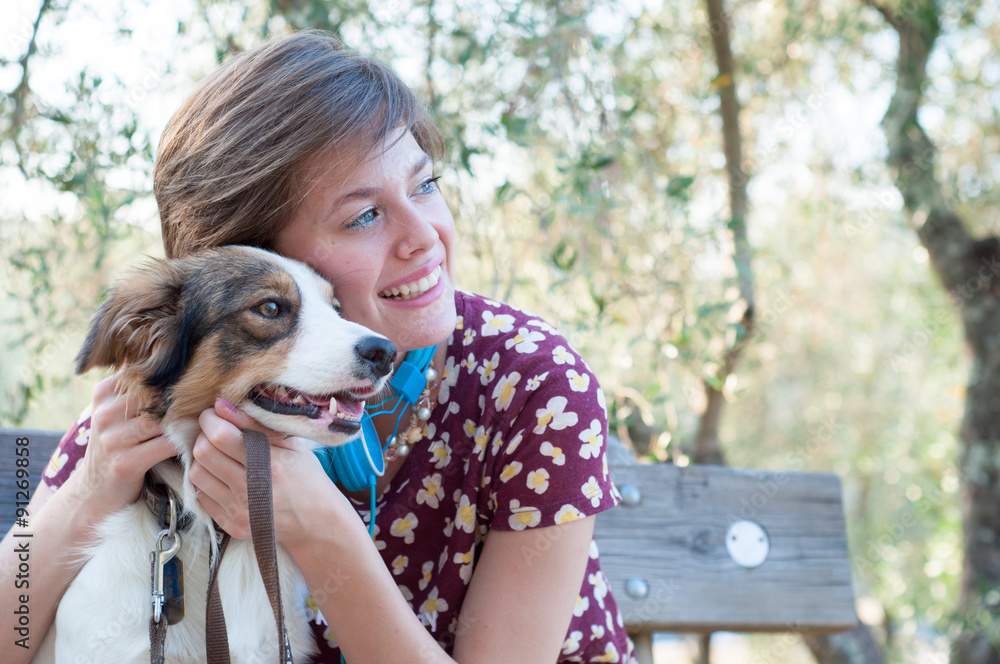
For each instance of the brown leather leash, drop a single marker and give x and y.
(261, 507)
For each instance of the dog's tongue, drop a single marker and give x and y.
(349, 406)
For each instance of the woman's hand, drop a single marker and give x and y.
(124, 444)
(298, 483)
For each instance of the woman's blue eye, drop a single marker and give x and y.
(364, 220)
(429, 186)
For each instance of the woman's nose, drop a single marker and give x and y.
(417, 231)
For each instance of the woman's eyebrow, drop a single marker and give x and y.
(368, 192)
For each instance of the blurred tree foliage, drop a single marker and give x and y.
(585, 170)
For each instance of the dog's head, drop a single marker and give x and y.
(257, 329)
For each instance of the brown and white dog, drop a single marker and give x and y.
(264, 333)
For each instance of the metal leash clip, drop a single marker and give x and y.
(159, 559)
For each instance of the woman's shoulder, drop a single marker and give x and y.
(490, 326)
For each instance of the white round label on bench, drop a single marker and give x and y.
(747, 543)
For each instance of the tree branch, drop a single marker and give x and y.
(706, 448)
(911, 152)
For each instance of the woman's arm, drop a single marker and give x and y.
(521, 598)
(525, 584)
(121, 449)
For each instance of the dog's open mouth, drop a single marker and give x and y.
(342, 409)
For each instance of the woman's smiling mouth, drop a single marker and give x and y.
(413, 289)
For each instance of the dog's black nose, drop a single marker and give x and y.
(377, 353)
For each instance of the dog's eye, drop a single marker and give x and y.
(268, 309)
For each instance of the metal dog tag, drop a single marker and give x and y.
(173, 590)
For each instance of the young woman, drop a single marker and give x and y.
(483, 548)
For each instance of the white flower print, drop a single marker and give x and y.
(469, 363)
(524, 341)
(535, 382)
(380, 543)
(593, 440)
(550, 450)
(431, 493)
(538, 481)
(465, 560)
(523, 517)
(597, 631)
(568, 514)
(494, 325)
(610, 655)
(482, 437)
(466, 516)
(399, 564)
(470, 336)
(600, 583)
(515, 442)
(572, 642)
(426, 572)
(448, 380)
(82, 435)
(553, 415)
(404, 527)
(505, 390)
(602, 401)
(510, 471)
(487, 372)
(582, 604)
(56, 463)
(578, 382)
(497, 443)
(430, 609)
(449, 527)
(542, 325)
(440, 453)
(562, 356)
(591, 489)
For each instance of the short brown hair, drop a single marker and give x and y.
(230, 160)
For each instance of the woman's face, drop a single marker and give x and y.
(383, 237)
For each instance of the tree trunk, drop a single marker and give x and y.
(968, 268)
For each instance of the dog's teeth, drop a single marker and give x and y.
(299, 400)
(281, 392)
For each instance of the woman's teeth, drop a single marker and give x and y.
(414, 289)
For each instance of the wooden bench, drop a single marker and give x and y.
(692, 549)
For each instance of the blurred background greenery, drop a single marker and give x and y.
(587, 175)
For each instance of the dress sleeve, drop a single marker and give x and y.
(553, 466)
(68, 453)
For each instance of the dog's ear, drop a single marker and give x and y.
(140, 326)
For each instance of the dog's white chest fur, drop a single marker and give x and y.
(104, 614)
